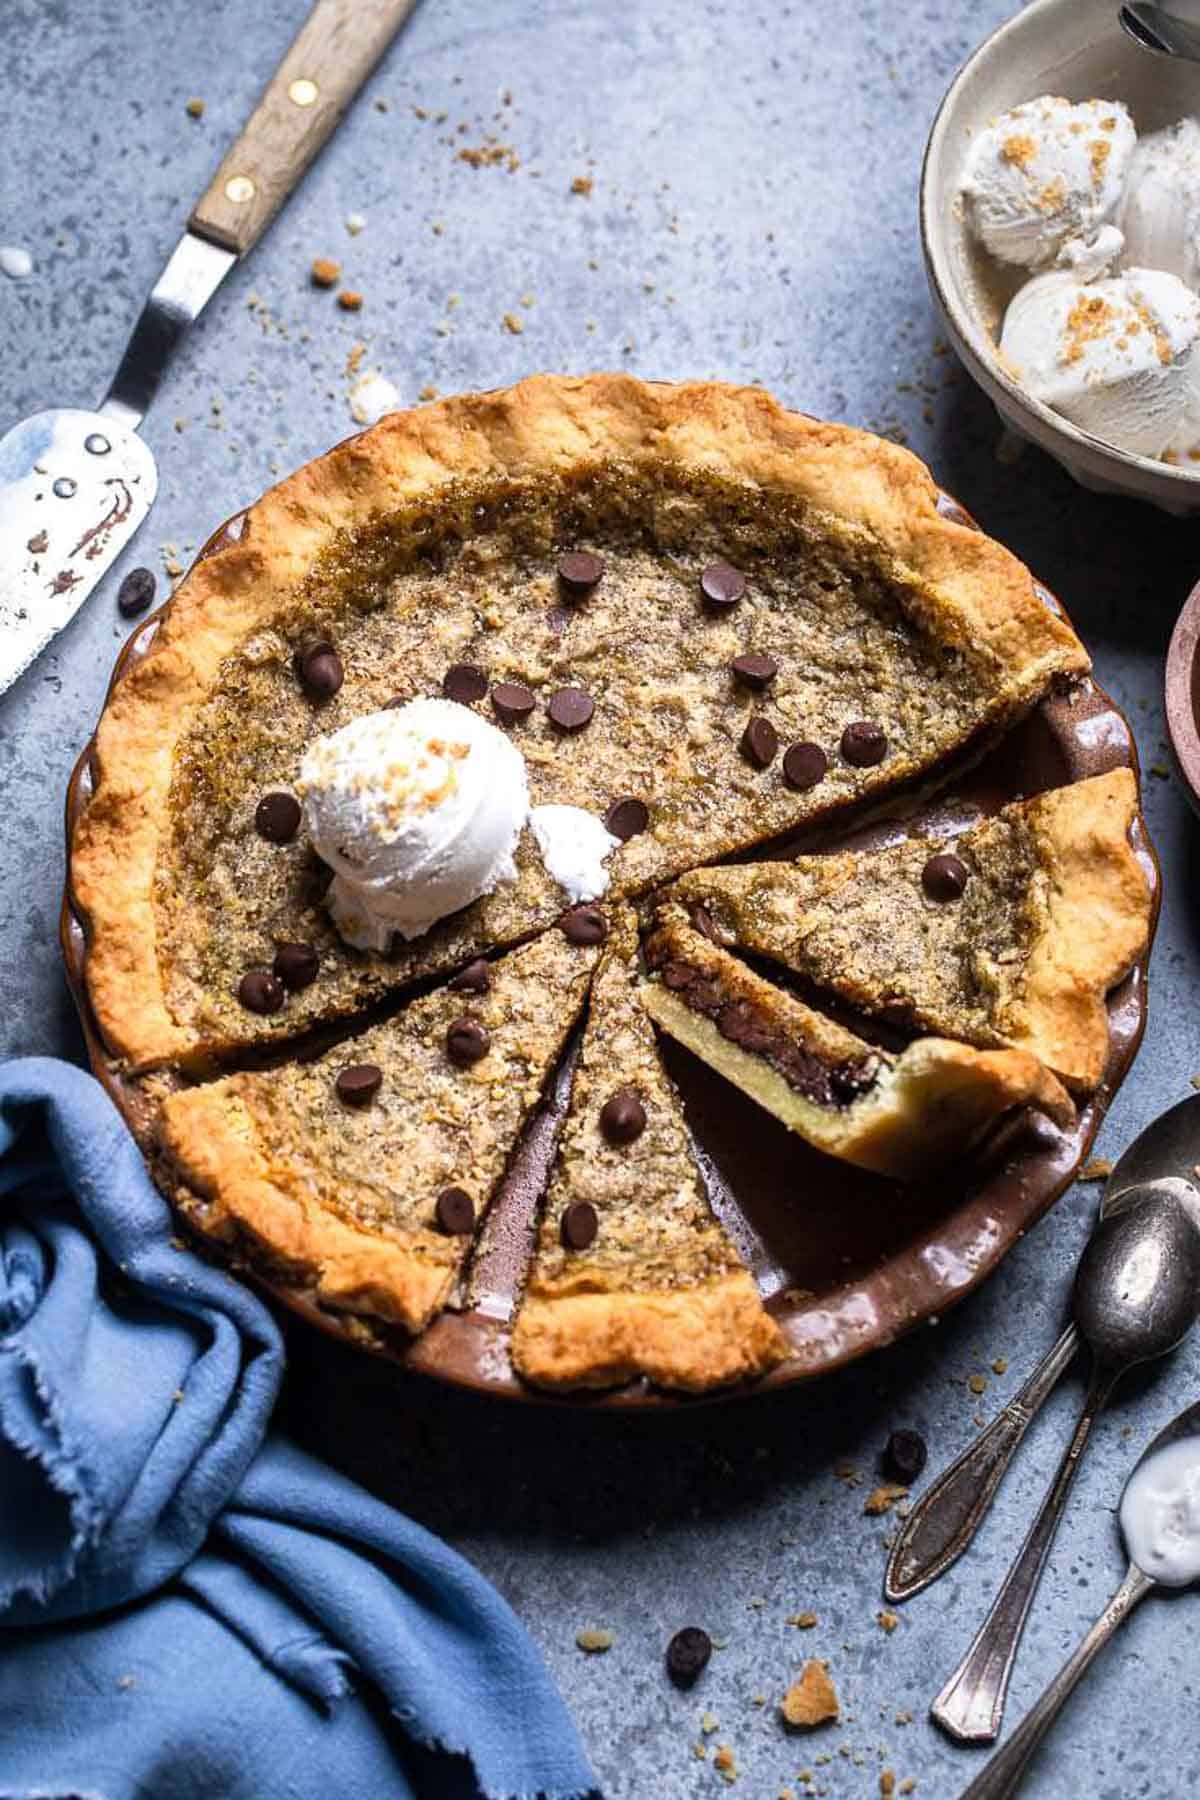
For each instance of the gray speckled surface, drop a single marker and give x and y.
(752, 216)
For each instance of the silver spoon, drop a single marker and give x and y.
(1137, 1293)
(945, 1520)
(1155, 28)
(1003, 1773)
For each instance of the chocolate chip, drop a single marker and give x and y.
(359, 1084)
(466, 1042)
(584, 925)
(755, 672)
(722, 585)
(760, 741)
(702, 921)
(395, 701)
(905, 1455)
(261, 992)
(622, 1117)
(579, 572)
(296, 965)
(570, 708)
(687, 1655)
(136, 593)
(864, 744)
(277, 817)
(804, 765)
(627, 818)
(321, 672)
(464, 682)
(455, 1212)
(512, 702)
(944, 876)
(476, 978)
(742, 1023)
(579, 1225)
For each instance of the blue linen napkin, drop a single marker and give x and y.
(187, 1606)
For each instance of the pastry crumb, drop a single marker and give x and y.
(325, 271)
(724, 1761)
(350, 300)
(514, 323)
(803, 1621)
(582, 184)
(1099, 1169)
(812, 1698)
(883, 1498)
(357, 352)
(173, 566)
(428, 392)
(595, 1642)
(977, 1384)
(887, 1621)
(1000, 1366)
(194, 109)
(887, 1784)
(709, 1723)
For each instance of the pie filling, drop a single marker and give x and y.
(826, 1082)
(741, 664)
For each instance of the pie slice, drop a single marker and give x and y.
(899, 1114)
(361, 1178)
(633, 1275)
(728, 619)
(1010, 934)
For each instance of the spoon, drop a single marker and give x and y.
(1137, 1293)
(1154, 28)
(943, 1523)
(1003, 1773)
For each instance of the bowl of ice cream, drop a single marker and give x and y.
(1060, 221)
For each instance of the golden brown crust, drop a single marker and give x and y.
(927, 1104)
(977, 590)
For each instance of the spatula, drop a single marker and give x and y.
(75, 485)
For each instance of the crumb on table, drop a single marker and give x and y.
(812, 1698)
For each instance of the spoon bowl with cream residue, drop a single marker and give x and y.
(1160, 1523)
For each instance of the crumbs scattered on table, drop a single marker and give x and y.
(1099, 1169)
(803, 1621)
(582, 184)
(350, 300)
(194, 109)
(490, 155)
(354, 359)
(428, 392)
(812, 1698)
(1000, 1366)
(883, 1498)
(846, 1471)
(355, 222)
(977, 1384)
(325, 271)
(709, 1723)
(595, 1642)
(887, 1621)
(724, 1761)
(514, 323)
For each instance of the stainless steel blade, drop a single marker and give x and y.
(74, 487)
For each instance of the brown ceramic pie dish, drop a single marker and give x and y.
(843, 1269)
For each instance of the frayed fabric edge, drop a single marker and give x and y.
(64, 1469)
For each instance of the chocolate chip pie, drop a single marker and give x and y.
(702, 619)
(899, 1113)
(359, 1180)
(632, 1274)
(1011, 933)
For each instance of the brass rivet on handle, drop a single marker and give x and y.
(303, 91)
(239, 189)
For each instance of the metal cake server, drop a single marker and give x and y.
(75, 485)
(1162, 29)
(1003, 1773)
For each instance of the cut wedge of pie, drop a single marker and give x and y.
(633, 1275)
(1011, 933)
(899, 1114)
(701, 617)
(361, 1179)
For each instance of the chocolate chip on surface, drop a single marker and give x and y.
(687, 1655)
(905, 1455)
(804, 765)
(296, 965)
(945, 876)
(760, 742)
(136, 593)
(623, 1117)
(579, 573)
(512, 702)
(702, 921)
(476, 978)
(579, 1225)
(466, 1042)
(465, 683)
(756, 672)
(277, 817)
(321, 671)
(570, 708)
(359, 1084)
(722, 585)
(627, 817)
(584, 925)
(864, 744)
(261, 992)
(455, 1212)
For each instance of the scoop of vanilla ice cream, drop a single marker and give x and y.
(1159, 214)
(1114, 356)
(417, 810)
(1044, 173)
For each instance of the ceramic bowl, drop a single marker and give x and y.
(1183, 695)
(1075, 48)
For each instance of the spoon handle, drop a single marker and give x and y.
(1003, 1773)
(942, 1524)
(971, 1705)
